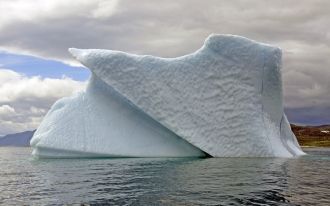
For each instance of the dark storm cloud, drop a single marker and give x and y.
(173, 28)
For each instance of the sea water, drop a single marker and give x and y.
(164, 181)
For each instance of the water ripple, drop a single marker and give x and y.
(159, 181)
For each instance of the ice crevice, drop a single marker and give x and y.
(262, 105)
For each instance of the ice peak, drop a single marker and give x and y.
(77, 53)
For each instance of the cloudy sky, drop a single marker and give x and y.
(36, 69)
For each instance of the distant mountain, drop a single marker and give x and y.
(21, 139)
(312, 135)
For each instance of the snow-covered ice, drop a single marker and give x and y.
(224, 100)
(99, 122)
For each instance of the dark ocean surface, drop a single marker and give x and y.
(164, 181)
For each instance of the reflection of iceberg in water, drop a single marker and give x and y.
(171, 181)
(242, 181)
(223, 100)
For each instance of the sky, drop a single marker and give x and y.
(36, 69)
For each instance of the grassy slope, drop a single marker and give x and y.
(312, 135)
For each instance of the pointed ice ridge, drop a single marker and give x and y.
(224, 100)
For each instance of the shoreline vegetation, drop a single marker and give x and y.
(312, 136)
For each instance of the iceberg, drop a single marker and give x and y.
(224, 100)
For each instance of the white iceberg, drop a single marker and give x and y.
(224, 100)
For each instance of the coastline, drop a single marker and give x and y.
(312, 136)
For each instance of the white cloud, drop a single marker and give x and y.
(25, 100)
(6, 111)
(105, 9)
(34, 10)
(172, 28)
